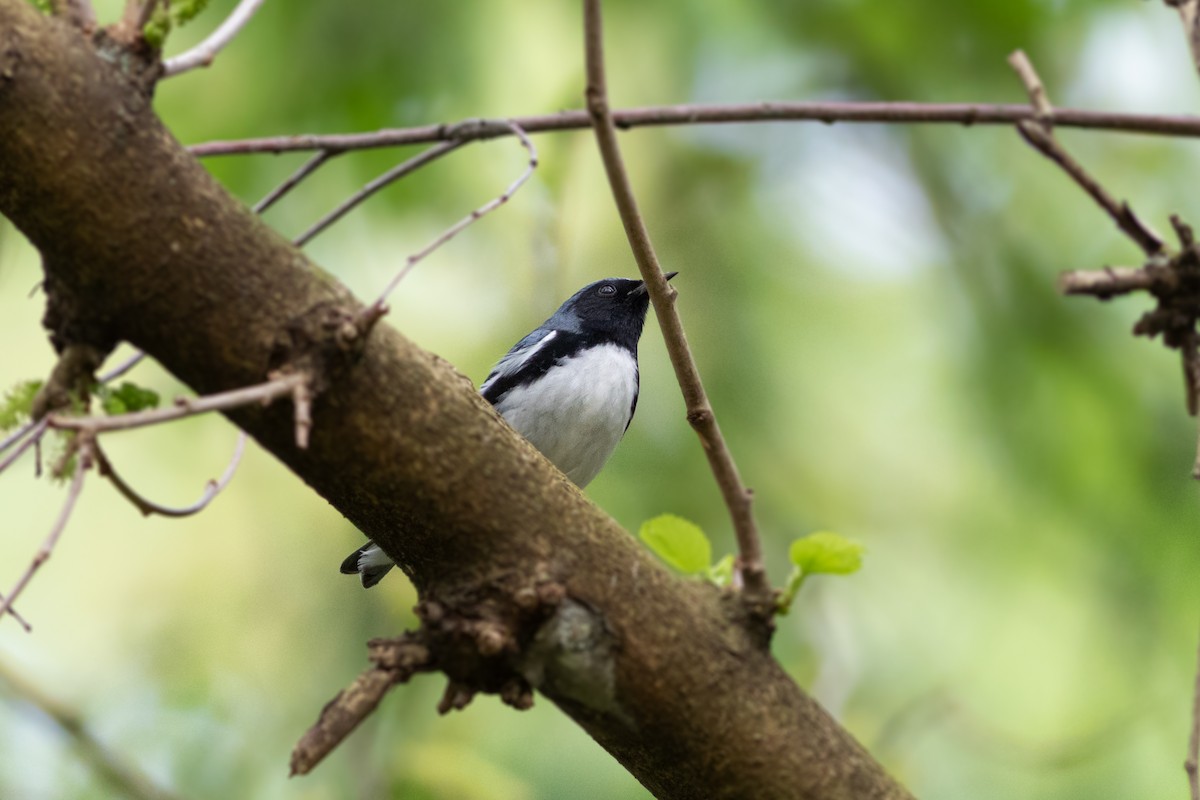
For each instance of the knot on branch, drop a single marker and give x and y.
(1173, 279)
(70, 381)
(477, 638)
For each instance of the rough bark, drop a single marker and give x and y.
(140, 244)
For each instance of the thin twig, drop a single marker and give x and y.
(392, 175)
(78, 13)
(148, 507)
(122, 368)
(1111, 281)
(16, 435)
(1033, 86)
(43, 554)
(121, 775)
(1192, 764)
(305, 170)
(139, 12)
(1189, 15)
(1038, 133)
(34, 435)
(203, 54)
(281, 386)
(20, 620)
(379, 307)
(302, 398)
(967, 114)
(395, 661)
(699, 412)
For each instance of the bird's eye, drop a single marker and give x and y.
(607, 289)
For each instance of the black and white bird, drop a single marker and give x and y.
(570, 387)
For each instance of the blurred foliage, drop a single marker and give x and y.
(872, 307)
(17, 403)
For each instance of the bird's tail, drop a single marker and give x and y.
(369, 563)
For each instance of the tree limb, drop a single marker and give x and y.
(827, 112)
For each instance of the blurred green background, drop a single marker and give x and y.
(873, 310)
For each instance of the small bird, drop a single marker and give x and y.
(570, 387)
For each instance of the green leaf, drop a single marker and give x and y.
(184, 11)
(126, 398)
(17, 403)
(826, 553)
(721, 573)
(819, 553)
(678, 542)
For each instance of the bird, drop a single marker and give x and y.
(570, 387)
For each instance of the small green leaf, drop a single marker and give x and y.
(721, 573)
(826, 553)
(126, 398)
(17, 403)
(184, 11)
(678, 542)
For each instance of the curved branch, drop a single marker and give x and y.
(202, 55)
(47, 549)
(376, 309)
(148, 507)
(386, 179)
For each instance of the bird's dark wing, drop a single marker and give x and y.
(529, 358)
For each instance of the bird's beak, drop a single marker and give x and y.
(641, 287)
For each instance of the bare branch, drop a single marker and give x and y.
(395, 661)
(699, 412)
(1033, 85)
(32, 433)
(1110, 281)
(377, 309)
(967, 114)
(265, 393)
(137, 13)
(302, 398)
(202, 55)
(125, 777)
(307, 169)
(76, 12)
(392, 175)
(147, 507)
(17, 435)
(1038, 133)
(43, 554)
(1189, 15)
(15, 615)
(122, 368)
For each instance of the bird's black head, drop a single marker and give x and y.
(614, 308)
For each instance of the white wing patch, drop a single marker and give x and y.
(515, 359)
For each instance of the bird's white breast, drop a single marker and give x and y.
(577, 412)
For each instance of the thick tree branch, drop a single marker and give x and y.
(658, 670)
